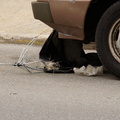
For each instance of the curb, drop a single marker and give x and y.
(91, 46)
(39, 41)
(22, 39)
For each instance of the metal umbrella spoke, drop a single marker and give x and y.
(21, 62)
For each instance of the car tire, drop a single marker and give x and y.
(108, 39)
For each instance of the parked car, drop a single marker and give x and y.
(86, 20)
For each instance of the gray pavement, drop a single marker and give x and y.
(43, 96)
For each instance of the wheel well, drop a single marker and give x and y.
(94, 13)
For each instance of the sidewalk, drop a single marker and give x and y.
(17, 24)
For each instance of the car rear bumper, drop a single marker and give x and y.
(41, 11)
(68, 19)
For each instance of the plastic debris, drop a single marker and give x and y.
(89, 70)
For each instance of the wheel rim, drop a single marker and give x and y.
(114, 40)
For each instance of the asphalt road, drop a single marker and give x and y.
(43, 96)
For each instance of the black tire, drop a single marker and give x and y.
(107, 33)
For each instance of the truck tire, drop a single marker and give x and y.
(108, 39)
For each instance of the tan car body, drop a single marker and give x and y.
(75, 19)
(64, 12)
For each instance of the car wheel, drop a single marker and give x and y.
(108, 39)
